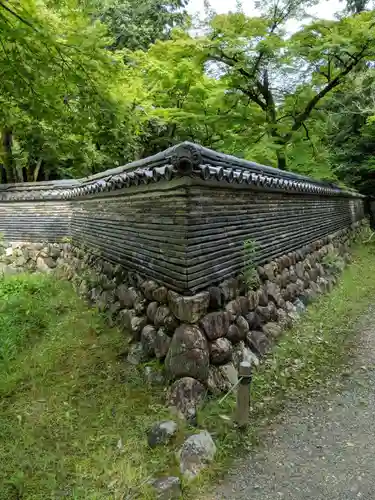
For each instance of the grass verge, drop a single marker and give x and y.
(74, 414)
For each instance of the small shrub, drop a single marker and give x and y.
(366, 236)
(333, 262)
(249, 270)
(3, 244)
(66, 239)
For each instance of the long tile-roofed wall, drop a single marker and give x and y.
(181, 160)
(180, 216)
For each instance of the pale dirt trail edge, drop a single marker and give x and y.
(323, 449)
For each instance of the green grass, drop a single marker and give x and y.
(74, 414)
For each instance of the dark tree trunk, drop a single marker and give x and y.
(7, 142)
(3, 174)
(281, 159)
(36, 171)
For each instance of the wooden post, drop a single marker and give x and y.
(243, 394)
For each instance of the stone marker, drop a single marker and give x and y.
(196, 453)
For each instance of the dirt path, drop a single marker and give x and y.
(322, 450)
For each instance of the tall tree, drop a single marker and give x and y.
(356, 6)
(350, 131)
(136, 25)
(186, 102)
(64, 97)
(287, 77)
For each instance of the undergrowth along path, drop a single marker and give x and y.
(324, 448)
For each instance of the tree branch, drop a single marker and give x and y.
(11, 63)
(263, 89)
(331, 85)
(226, 112)
(308, 138)
(253, 97)
(260, 137)
(341, 61)
(288, 115)
(20, 18)
(326, 75)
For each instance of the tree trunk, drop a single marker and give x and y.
(281, 158)
(37, 169)
(279, 142)
(3, 174)
(7, 142)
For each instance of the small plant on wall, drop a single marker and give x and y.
(333, 262)
(249, 269)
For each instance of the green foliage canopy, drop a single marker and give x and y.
(64, 96)
(273, 81)
(88, 85)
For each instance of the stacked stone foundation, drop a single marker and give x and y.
(199, 339)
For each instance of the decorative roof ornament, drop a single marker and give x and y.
(185, 158)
